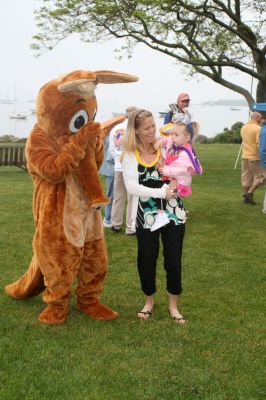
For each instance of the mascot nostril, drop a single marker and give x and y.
(64, 152)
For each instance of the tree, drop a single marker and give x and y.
(209, 37)
(231, 135)
(7, 139)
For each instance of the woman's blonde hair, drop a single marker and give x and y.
(191, 129)
(131, 141)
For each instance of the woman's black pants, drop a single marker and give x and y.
(148, 251)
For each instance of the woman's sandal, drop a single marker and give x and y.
(146, 314)
(179, 319)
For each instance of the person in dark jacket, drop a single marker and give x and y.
(262, 154)
(179, 111)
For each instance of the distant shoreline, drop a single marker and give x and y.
(230, 103)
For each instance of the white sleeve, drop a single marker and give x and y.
(130, 175)
(111, 143)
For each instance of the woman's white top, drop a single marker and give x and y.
(131, 178)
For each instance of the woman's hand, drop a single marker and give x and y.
(173, 184)
(160, 169)
(170, 193)
(159, 166)
(158, 144)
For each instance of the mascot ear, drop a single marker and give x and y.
(85, 81)
(114, 77)
(78, 81)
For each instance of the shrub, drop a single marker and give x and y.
(231, 135)
(202, 139)
(11, 139)
(7, 139)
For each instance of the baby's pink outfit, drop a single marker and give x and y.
(179, 166)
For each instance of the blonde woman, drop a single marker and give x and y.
(150, 193)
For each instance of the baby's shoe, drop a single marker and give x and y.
(161, 219)
(184, 191)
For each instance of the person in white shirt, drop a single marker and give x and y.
(120, 193)
(107, 170)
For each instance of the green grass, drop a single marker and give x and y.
(218, 355)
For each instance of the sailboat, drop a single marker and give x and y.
(235, 108)
(15, 114)
(18, 115)
(6, 101)
(117, 114)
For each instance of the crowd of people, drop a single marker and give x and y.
(152, 175)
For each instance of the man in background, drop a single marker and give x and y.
(120, 192)
(179, 111)
(252, 175)
(107, 170)
(262, 155)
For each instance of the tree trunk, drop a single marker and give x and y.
(261, 92)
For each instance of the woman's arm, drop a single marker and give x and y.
(130, 175)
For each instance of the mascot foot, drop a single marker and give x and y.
(100, 202)
(53, 315)
(98, 311)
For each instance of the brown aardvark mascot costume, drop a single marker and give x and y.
(64, 152)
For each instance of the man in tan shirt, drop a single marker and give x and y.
(252, 175)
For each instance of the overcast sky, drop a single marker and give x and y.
(160, 80)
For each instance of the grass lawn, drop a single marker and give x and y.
(218, 355)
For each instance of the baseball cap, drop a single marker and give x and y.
(183, 96)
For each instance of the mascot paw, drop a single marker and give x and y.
(100, 202)
(53, 315)
(98, 311)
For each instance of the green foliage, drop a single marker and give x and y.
(8, 139)
(22, 140)
(219, 355)
(209, 37)
(11, 139)
(231, 135)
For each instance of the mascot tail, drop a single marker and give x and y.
(29, 285)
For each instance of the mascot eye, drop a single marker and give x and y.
(78, 120)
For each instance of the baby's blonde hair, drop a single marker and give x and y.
(191, 129)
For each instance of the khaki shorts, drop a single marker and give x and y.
(253, 174)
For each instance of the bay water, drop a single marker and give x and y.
(212, 119)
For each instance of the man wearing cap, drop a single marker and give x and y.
(179, 112)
